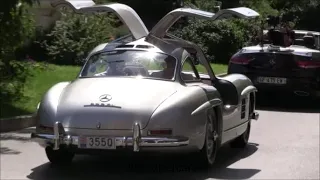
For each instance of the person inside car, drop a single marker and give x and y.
(288, 36)
(168, 71)
(309, 41)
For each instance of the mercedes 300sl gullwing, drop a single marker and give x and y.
(154, 93)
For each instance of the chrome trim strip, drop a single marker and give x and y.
(59, 137)
(120, 141)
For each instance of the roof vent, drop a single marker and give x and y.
(125, 46)
(144, 46)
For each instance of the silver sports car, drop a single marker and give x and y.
(155, 93)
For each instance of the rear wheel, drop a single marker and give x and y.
(59, 157)
(207, 155)
(243, 139)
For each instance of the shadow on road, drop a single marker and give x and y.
(14, 137)
(27, 131)
(5, 150)
(148, 167)
(287, 103)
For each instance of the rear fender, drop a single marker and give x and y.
(186, 113)
(48, 106)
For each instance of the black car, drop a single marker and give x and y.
(274, 67)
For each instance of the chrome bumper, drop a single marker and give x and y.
(136, 141)
(255, 116)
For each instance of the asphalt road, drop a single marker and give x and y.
(284, 144)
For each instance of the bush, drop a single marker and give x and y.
(11, 86)
(17, 27)
(74, 36)
(219, 39)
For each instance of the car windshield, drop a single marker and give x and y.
(131, 63)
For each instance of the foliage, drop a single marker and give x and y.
(301, 12)
(17, 27)
(262, 6)
(75, 35)
(11, 86)
(220, 39)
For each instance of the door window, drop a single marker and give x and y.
(188, 71)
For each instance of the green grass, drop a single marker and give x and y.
(36, 86)
(42, 80)
(217, 68)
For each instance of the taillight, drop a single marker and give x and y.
(44, 129)
(239, 60)
(308, 64)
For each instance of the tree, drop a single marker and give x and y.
(16, 27)
(74, 35)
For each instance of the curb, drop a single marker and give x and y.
(222, 74)
(26, 121)
(17, 123)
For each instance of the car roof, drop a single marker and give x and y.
(176, 51)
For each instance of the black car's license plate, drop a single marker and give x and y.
(271, 80)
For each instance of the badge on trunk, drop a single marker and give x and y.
(272, 62)
(105, 98)
(98, 125)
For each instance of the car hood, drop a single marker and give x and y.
(131, 100)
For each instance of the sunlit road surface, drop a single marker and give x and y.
(283, 145)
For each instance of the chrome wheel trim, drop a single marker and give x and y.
(210, 139)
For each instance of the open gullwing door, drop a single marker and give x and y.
(161, 28)
(125, 13)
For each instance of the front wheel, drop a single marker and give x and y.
(208, 153)
(243, 139)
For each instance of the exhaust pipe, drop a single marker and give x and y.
(301, 93)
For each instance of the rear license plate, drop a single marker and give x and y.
(96, 142)
(271, 80)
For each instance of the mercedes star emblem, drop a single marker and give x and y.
(98, 125)
(272, 62)
(105, 98)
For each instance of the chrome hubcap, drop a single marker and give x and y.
(211, 138)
